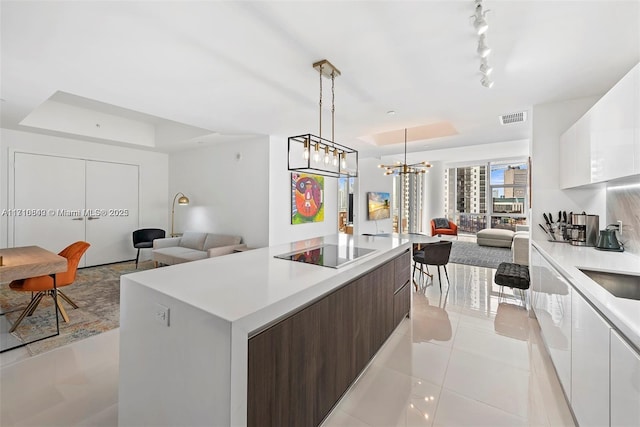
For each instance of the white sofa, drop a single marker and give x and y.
(520, 245)
(192, 246)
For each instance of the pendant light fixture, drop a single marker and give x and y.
(404, 168)
(314, 154)
(410, 188)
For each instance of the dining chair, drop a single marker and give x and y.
(143, 239)
(42, 286)
(434, 254)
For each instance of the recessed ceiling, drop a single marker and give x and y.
(418, 133)
(246, 67)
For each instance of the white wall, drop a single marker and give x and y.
(153, 171)
(550, 121)
(433, 195)
(280, 228)
(370, 179)
(228, 188)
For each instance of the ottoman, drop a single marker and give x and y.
(495, 237)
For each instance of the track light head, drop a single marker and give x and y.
(486, 82)
(483, 49)
(485, 68)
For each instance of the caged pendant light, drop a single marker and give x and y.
(314, 154)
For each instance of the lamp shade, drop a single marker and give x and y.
(182, 200)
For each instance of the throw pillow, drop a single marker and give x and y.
(441, 222)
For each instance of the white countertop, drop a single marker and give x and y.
(254, 288)
(622, 313)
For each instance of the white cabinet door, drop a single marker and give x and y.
(551, 301)
(55, 186)
(567, 159)
(613, 124)
(625, 383)
(589, 364)
(635, 88)
(575, 154)
(112, 199)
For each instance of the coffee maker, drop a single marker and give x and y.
(584, 229)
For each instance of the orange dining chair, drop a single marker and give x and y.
(43, 285)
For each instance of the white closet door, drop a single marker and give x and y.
(53, 186)
(112, 206)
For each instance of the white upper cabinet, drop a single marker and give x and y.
(604, 144)
(575, 153)
(613, 128)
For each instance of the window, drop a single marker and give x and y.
(465, 199)
(508, 186)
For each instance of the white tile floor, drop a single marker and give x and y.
(465, 358)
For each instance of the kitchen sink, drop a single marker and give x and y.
(620, 285)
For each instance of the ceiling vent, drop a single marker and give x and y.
(508, 119)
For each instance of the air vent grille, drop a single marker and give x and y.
(507, 119)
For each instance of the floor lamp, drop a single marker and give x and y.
(183, 200)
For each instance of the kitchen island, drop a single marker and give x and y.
(251, 339)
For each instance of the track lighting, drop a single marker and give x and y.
(481, 26)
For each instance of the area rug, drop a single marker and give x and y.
(96, 290)
(470, 253)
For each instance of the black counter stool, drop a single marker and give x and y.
(515, 276)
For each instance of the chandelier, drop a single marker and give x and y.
(404, 168)
(315, 154)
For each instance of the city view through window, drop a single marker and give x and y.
(494, 194)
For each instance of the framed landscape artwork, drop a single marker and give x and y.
(307, 203)
(379, 206)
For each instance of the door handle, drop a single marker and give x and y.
(77, 219)
(93, 217)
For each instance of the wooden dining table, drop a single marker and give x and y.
(31, 261)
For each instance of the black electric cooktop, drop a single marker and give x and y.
(333, 256)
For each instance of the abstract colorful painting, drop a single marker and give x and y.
(307, 203)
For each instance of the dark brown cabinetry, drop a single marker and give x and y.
(300, 367)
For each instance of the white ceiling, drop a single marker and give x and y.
(240, 67)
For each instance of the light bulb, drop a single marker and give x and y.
(305, 154)
(316, 153)
(343, 162)
(335, 157)
(326, 155)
